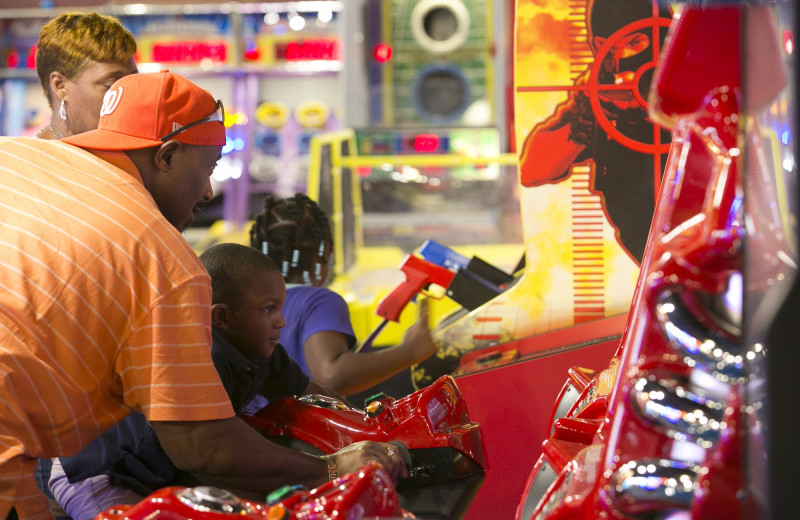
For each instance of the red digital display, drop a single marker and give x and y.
(190, 51)
(426, 143)
(314, 49)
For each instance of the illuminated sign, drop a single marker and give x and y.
(190, 51)
(307, 50)
(426, 143)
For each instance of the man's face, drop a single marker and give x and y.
(255, 322)
(85, 93)
(182, 190)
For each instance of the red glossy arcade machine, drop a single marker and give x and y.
(442, 447)
(369, 493)
(430, 428)
(677, 425)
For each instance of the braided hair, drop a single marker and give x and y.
(296, 234)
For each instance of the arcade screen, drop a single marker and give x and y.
(456, 201)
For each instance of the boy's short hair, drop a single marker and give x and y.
(230, 266)
(70, 41)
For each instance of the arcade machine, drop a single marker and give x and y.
(432, 79)
(680, 422)
(368, 493)
(442, 448)
(590, 166)
(423, 170)
(431, 429)
(582, 86)
(589, 170)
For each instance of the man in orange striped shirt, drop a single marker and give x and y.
(104, 307)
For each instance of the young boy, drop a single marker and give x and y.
(127, 463)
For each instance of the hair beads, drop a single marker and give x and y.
(295, 233)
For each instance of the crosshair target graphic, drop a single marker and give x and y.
(595, 89)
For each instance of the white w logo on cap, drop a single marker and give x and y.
(110, 101)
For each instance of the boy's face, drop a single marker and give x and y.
(255, 323)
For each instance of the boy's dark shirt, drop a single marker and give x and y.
(130, 452)
(245, 377)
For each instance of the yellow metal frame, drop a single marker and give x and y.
(335, 140)
(353, 161)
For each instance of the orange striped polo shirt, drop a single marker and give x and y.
(103, 306)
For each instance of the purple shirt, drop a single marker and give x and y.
(308, 310)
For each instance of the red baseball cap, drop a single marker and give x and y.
(146, 110)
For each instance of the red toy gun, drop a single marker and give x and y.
(419, 274)
(369, 493)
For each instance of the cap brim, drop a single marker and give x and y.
(105, 140)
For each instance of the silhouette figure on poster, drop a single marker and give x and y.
(604, 119)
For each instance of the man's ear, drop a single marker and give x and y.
(166, 154)
(220, 316)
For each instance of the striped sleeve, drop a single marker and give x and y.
(166, 368)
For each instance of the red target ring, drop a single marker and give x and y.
(594, 88)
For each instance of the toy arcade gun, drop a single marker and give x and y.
(445, 453)
(468, 282)
(475, 281)
(419, 275)
(366, 494)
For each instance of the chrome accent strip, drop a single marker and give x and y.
(673, 408)
(648, 485)
(699, 343)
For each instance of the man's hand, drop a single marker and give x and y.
(350, 458)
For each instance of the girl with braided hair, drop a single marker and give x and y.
(295, 233)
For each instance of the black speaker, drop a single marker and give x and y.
(431, 62)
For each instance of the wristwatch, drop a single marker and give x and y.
(332, 473)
